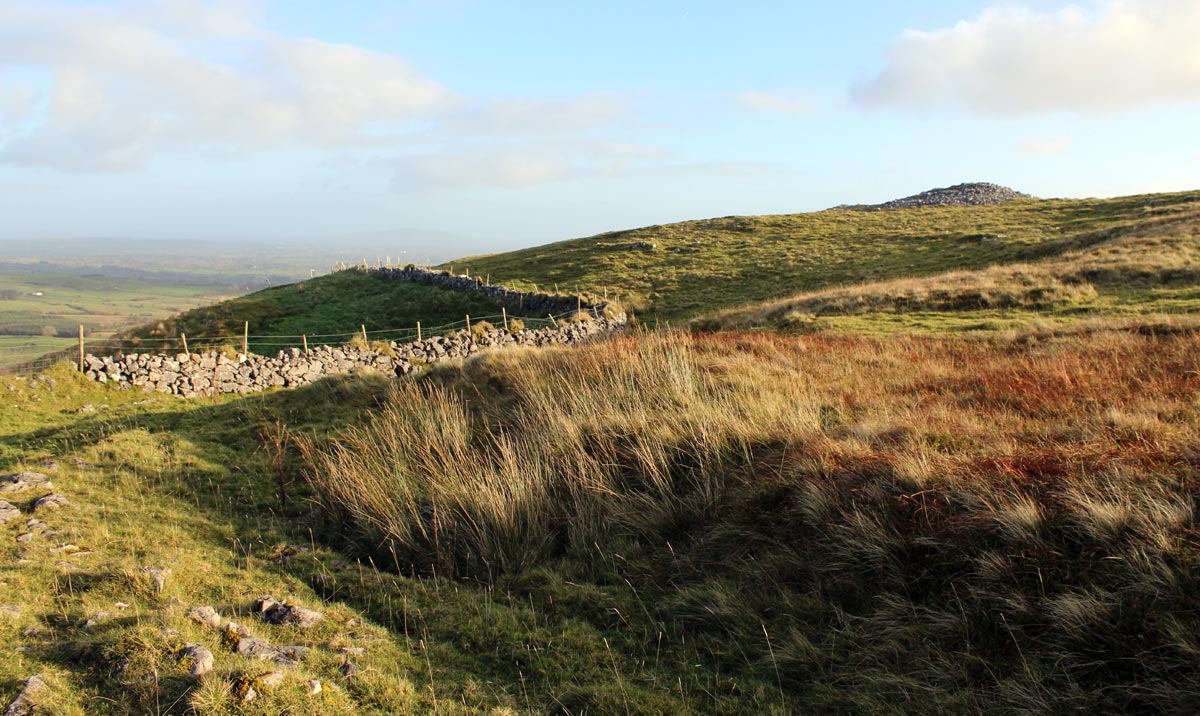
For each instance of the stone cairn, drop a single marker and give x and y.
(197, 374)
(970, 194)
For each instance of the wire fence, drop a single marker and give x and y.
(14, 364)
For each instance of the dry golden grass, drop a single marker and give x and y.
(917, 524)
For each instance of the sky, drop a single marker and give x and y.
(507, 124)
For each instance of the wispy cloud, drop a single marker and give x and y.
(115, 86)
(1106, 56)
(781, 102)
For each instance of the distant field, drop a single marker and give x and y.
(42, 312)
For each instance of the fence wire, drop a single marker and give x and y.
(11, 365)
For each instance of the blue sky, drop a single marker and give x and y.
(521, 122)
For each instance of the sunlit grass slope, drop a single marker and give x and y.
(1150, 267)
(678, 271)
(338, 303)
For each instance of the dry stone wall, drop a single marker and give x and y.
(208, 373)
(529, 303)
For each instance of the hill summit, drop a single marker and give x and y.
(969, 194)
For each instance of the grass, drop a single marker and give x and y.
(998, 521)
(1146, 268)
(699, 267)
(915, 525)
(331, 308)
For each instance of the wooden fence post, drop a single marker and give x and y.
(468, 323)
(81, 348)
(551, 315)
(418, 330)
(363, 328)
(183, 336)
(504, 315)
(246, 338)
(305, 339)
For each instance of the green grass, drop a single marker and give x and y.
(331, 308)
(699, 267)
(1144, 268)
(193, 485)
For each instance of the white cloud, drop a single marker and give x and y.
(114, 87)
(1107, 56)
(783, 102)
(1043, 146)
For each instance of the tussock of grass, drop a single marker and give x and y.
(909, 525)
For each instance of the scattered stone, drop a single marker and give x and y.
(50, 466)
(26, 703)
(8, 512)
(158, 575)
(53, 501)
(254, 648)
(274, 612)
(350, 669)
(168, 633)
(353, 650)
(82, 464)
(206, 615)
(273, 679)
(9, 612)
(35, 524)
(202, 659)
(64, 549)
(96, 619)
(314, 687)
(121, 605)
(23, 481)
(86, 408)
(25, 537)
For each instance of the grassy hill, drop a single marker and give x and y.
(330, 307)
(679, 271)
(660, 524)
(849, 521)
(1144, 268)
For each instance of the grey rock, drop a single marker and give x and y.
(205, 615)
(53, 501)
(32, 694)
(8, 512)
(23, 481)
(202, 658)
(157, 575)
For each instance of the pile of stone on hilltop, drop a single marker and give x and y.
(972, 194)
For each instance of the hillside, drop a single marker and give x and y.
(328, 308)
(679, 271)
(720, 524)
(1145, 268)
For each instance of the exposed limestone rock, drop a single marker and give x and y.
(20, 481)
(53, 501)
(206, 615)
(202, 658)
(8, 512)
(33, 693)
(157, 575)
(274, 612)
